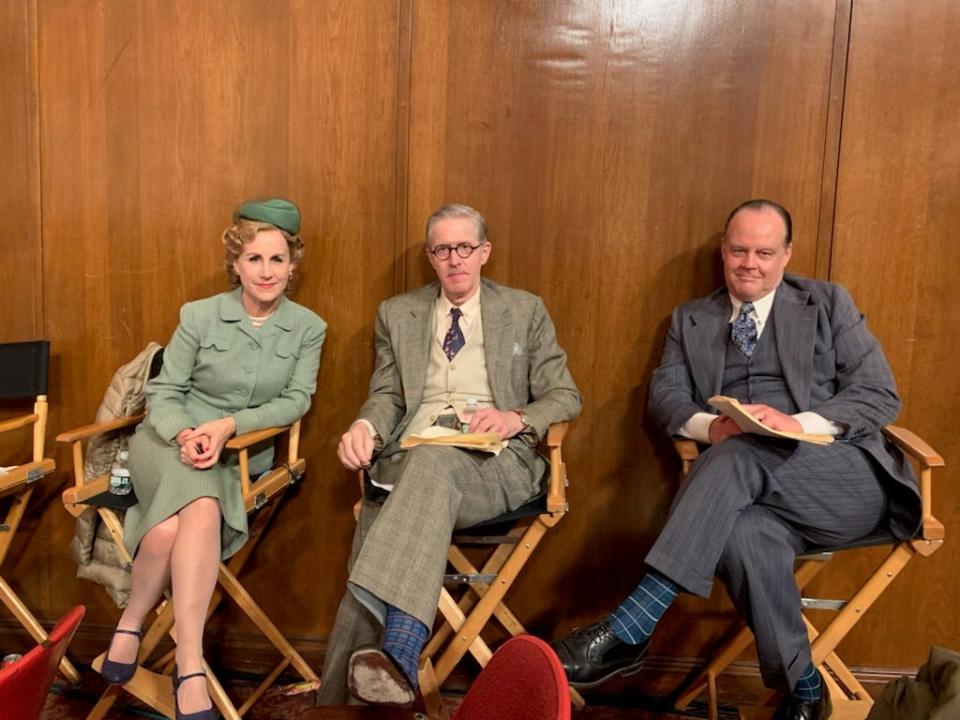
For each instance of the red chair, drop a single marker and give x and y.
(524, 679)
(25, 683)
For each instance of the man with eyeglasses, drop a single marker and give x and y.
(463, 353)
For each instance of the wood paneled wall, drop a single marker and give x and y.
(604, 142)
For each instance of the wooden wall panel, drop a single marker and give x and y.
(605, 160)
(19, 187)
(605, 143)
(158, 118)
(897, 213)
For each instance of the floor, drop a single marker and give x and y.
(67, 702)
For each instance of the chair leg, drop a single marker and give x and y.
(104, 704)
(430, 690)
(30, 624)
(706, 679)
(266, 626)
(219, 696)
(481, 614)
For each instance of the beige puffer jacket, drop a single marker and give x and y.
(92, 546)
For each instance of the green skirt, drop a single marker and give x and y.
(164, 485)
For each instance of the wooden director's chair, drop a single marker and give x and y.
(509, 541)
(849, 698)
(152, 683)
(23, 374)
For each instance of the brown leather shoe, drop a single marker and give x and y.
(374, 677)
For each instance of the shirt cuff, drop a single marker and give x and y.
(698, 427)
(816, 424)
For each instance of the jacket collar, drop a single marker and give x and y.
(232, 311)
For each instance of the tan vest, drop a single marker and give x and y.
(450, 384)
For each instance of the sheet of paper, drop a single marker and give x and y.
(748, 423)
(436, 435)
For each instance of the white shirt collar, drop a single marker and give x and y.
(468, 320)
(761, 308)
(469, 308)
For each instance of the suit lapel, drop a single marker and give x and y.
(496, 335)
(706, 333)
(795, 320)
(413, 348)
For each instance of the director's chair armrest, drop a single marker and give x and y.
(239, 442)
(88, 431)
(557, 491)
(256, 494)
(914, 446)
(18, 422)
(75, 497)
(926, 458)
(688, 450)
(21, 475)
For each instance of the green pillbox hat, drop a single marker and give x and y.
(276, 211)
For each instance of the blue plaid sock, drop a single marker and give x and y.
(403, 639)
(634, 620)
(808, 687)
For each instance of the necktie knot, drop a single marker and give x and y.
(453, 340)
(744, 330)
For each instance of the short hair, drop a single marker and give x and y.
(762, 204)
(244, 231)
(456, 210)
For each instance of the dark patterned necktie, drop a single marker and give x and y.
(454, 339)
(743, 332)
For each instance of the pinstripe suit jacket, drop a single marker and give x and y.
(831, 363)
(527, 369)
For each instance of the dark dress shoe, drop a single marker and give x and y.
(374, 677)
(118, 673)
(211, 713)
(594, 654)
(793, 708)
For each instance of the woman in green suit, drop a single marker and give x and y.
(239, 361)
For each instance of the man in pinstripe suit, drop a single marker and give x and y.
(798, 354)
(461, 351)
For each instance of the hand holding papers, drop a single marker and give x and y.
(436, 435)
(748, 423)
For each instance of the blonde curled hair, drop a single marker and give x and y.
(244, 231)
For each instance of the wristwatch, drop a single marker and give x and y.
(524, 418)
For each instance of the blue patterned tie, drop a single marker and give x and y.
(454, 339)
(744, 330)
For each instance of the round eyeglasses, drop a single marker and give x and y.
(464, 250)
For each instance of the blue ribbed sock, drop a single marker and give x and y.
(634, 620)
(403, 638)
(808, 687)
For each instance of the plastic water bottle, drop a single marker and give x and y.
(120, 475)
(467, 414)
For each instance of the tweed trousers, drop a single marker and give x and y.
(749, 506)
(436, 490)
(399, 550)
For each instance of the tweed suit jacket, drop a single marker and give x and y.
(832, 366)
(526, 367)
(217, 365)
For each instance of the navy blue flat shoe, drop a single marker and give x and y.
(118, 673)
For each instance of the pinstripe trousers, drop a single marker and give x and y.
(749, 506)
